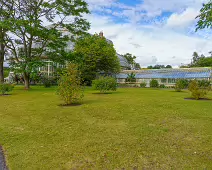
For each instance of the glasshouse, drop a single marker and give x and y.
(167, 77)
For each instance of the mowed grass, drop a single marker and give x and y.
(128, 129)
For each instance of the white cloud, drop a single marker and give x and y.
(183, 19)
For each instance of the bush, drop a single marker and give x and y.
(204, 83)
(197, 91)
(104, 84)
(143, 85)
(5, 88)
(47, 82)
(162, 86)
(181, 84)
(69, 85)
(154, 83)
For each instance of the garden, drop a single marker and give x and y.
(131, 128)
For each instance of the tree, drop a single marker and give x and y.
(130, 60)
(204, 18)
(168, 66)
(137, 66)
(30, 41)
(69, 85)
(98, 56)
(199, 61)
(5, 10)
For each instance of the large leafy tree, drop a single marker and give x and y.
(98, 56)
(30, 40)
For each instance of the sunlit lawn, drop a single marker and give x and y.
(128, 129)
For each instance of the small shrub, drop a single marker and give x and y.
(154, 83)
(47, 82)
(104, 84)
(197, 91)
(179, 85)
(143, 85)
(5, 88)
(69, 85)
(162, 86)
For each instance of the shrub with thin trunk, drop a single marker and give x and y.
(69, 85)
(104, 84)
(6, 88)
(198, 91)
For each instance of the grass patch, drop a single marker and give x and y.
(130, 128)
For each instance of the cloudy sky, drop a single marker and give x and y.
(156, 31)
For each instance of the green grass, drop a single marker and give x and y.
(130, 128)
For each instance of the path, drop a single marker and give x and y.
(2, 160)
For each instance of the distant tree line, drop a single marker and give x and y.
(159, 66)
(199, 61)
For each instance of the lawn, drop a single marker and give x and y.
(128, 129)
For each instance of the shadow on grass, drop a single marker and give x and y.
(201, 99)
(102, 93)
(179, 91)
(70, 105)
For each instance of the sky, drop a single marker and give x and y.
(155, 31)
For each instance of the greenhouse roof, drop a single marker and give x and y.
(182, 73)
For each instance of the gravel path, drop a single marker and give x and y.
(2, 160)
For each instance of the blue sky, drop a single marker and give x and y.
(156, 31)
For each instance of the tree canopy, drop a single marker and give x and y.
(98, 56)
(30, 40)
(205, 16)
(131, 61)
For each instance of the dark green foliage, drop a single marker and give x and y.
(168, 66)
(97, 56)
(204, 18)
(143, 85)
(104, 84)
(159, 67)
(5, 88)
(6, 72)
(131, 61)
(200, 61)
(131, 77)
(181, 84)
(198, 91)
(154, 83)
(204, 83)
(162, 86)
(69, 85)
(47, 82)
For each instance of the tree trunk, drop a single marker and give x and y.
(2, 63)
(26, 81)
(1, 71)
